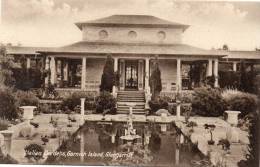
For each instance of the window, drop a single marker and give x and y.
(161, 35)
(132, 34)
(103, 34)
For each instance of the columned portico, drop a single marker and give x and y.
(209, 68)
(178, 79)
(147, 67)
(83, 74)
(216, 72)
(234, 66)
(53, 70)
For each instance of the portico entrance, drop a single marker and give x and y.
(131, 75)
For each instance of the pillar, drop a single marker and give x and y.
(209, 68)
(7, 140)
(178, 110)
(28, 62)
(53, 70)
(147, 67)
(115, 70)
(83, 74)
(82, 110)
(82, 146)
(178, 84)
(234, 66)
(66, 70)
(216, 72)
(140, 74)
(122, 74)
(47, 63)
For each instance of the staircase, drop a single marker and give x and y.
(124, 97)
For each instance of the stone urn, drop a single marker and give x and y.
(232, 117)
(28, 112)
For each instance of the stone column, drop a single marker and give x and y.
(178, 110)
(178, 84)
(83, 74)
(82, 110)
(28, 62)
(115, 70)
(47, 63)
(234, 66)
(140, 74)
(66, 70)
(147, 68)
(122, 74)
(7, 140)
(53, 70)
(209, 68)
(216, 72)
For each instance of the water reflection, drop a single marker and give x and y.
(102, 143)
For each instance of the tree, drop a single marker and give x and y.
(108, 76)
(225, 47)
(155, 81)
(6, 65)
(247, 79)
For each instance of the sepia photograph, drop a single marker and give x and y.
(149, 83)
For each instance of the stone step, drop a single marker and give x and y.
(127, 108)
(131, 100)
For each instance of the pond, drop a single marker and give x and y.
(127, 144)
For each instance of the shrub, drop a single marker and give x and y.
(3, 124)
(240, 101)
(208, 102)
(105, 101)
(34, 148)
(8, 109)
(26, 98)
(160, 103)
(73, 101)
(108, 76)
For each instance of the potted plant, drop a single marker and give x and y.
(211, 128)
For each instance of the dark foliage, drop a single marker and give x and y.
(26, 98)
(8, 108)
(245, 103)
(108, 76)
(34, 148)
(252, 157)
(159, 103)
(73, 101)
(155, 81)
(208, 102)
(196, 69)
(105, 101)
(247, 79)
(229, 79)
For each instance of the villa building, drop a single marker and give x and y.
(133, 41)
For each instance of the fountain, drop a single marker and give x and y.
(130, 132)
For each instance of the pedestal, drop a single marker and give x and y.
(7, 140)
(82, 110)
(178, 110)
(163, 127)
(233, 134)
(232, 117)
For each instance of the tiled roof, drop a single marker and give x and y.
(243, 55)
(132, 48)
(21, 50)
(132, 20)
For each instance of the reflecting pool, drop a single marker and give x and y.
(127, 144)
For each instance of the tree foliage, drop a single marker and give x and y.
(6, 65)
(155, 81)
(108, 76)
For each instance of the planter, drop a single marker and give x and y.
(28, 112)
(232, 117)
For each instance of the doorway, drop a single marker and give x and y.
(131, 75)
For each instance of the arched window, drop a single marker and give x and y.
(103, 34)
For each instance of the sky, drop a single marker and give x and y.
(51, 22)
